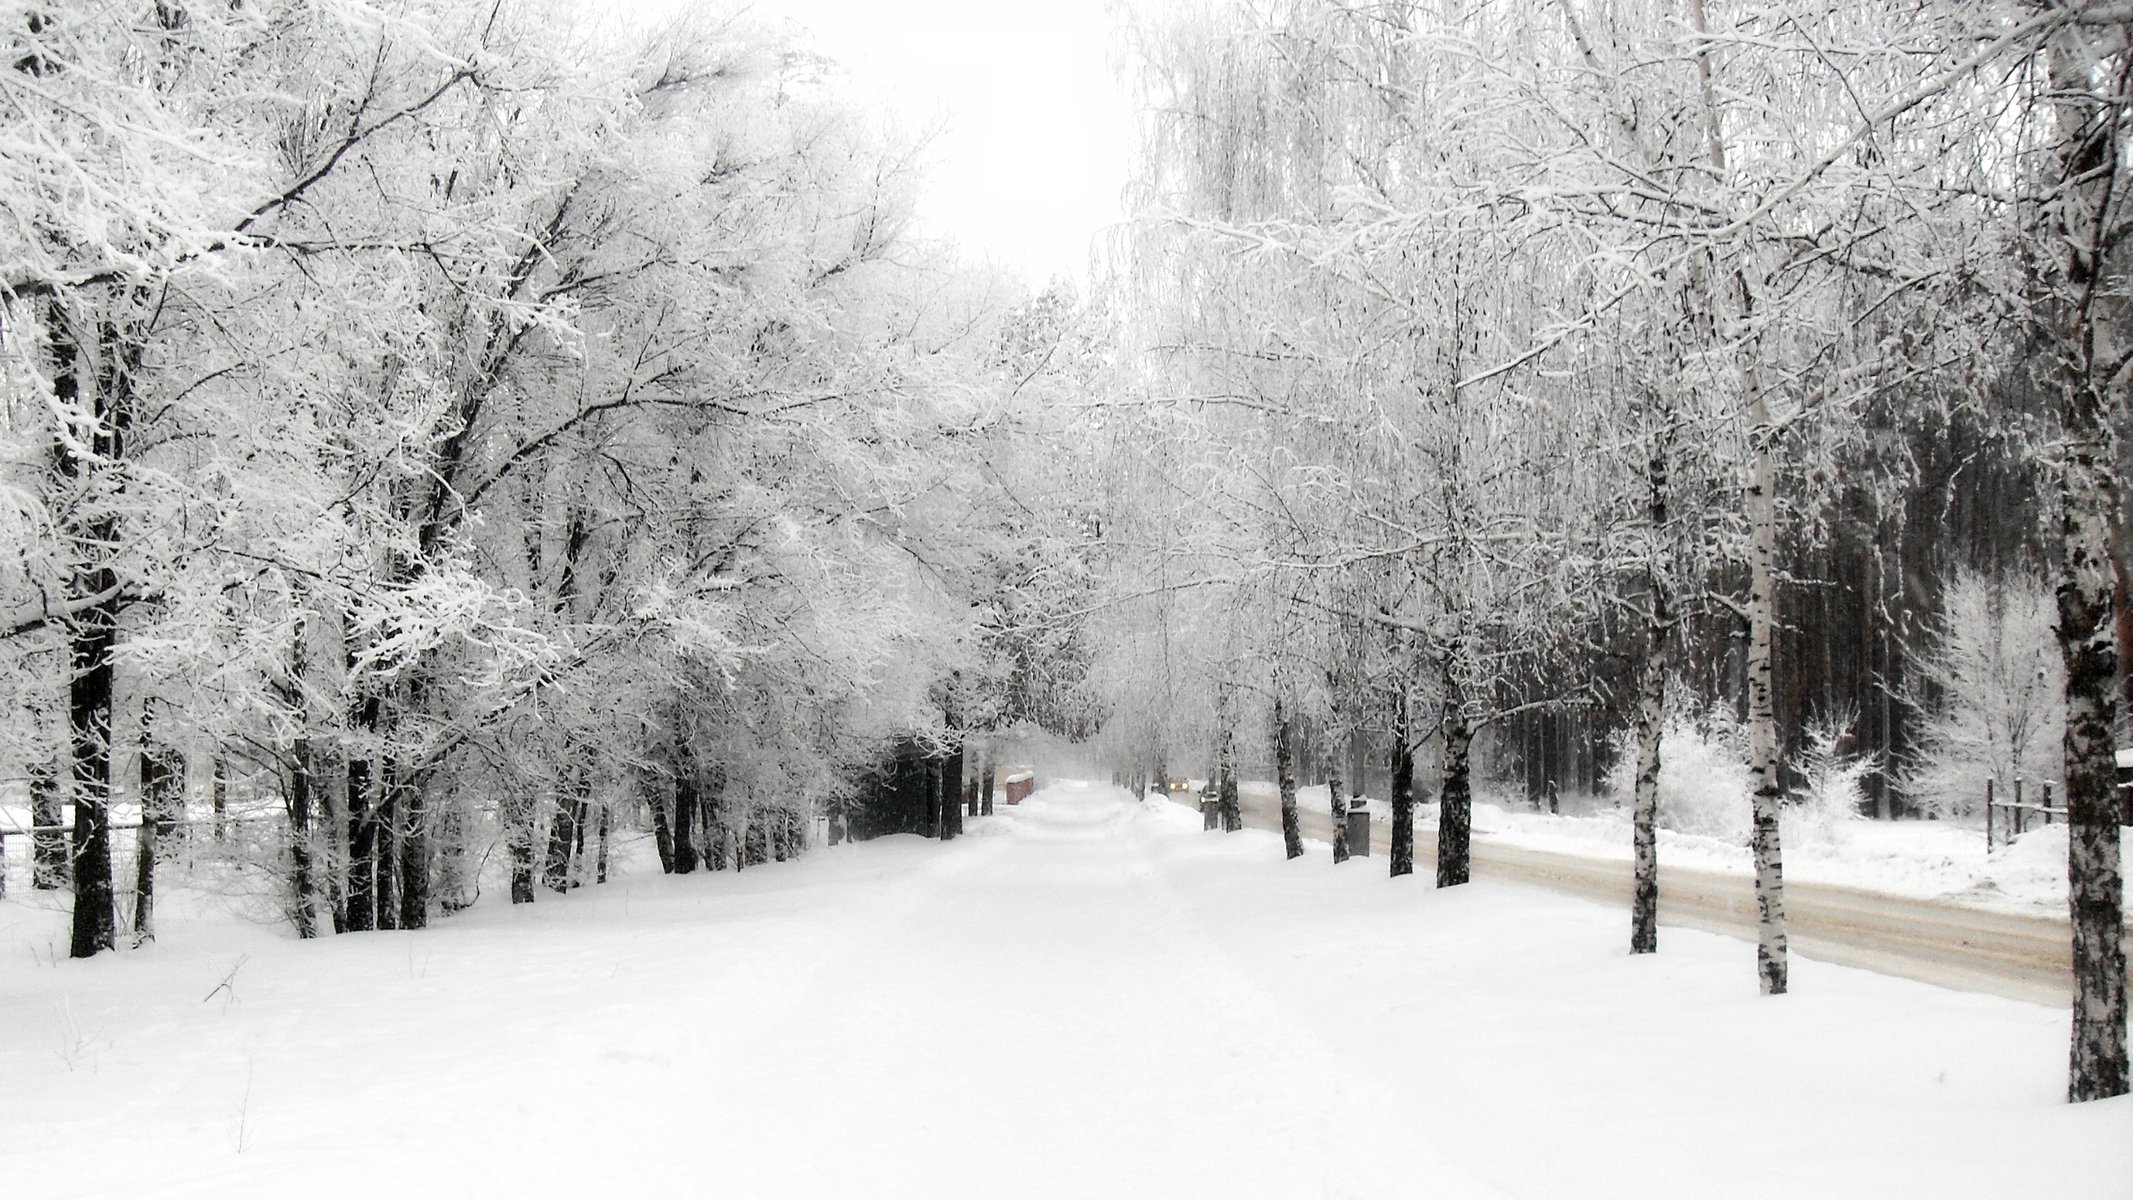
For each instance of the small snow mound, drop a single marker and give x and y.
(2033, 867)
(1489, 818)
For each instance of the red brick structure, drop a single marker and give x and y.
(1020, 785)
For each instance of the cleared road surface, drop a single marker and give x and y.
(1953, 945)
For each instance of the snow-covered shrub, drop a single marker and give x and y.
(1704, 783)
(1992, 693)
(1832, 782)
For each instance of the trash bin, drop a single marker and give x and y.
(1210, 811)
(1358, 830)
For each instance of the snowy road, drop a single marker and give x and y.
(1086, 997)
(2016, 955)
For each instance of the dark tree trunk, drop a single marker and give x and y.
(161, 773)
(607, 820)
(564, 832)
(952, 790)
(1226, 790)
(936, 827)
(1292, 839)
(522, 842)
(386, 816)
(361, 910)
(1455, 809)
(219, 798)
(755, 839)
(1401, 855)
(414, 854)
(92, 633)
(658, 805)
(1335, 800)
(985, 804)
(685, 820)
(48, 845)
(302, 884)
(92, 637)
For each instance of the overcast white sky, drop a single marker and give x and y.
(1037, 136)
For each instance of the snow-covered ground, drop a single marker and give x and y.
(1924, 859)
(1088, 997)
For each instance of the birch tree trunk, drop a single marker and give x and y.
(1770, 948)
(2088, 151)
(1337, 736)
(1455, 806)
(48, 845)
(1285, 779)
(1651, 719)
(1734, 314)
(607, 819)
(302, 872)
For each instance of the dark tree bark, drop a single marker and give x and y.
(755, 841)
(522, 842)
(685, 820)
(302, 884)
(565, 831)
(159, 777)
(936, 826)
(952, 789)
(1232, 817)
(414, 859)
(360, 912)
(1285, 778)
(92, 635)
(219, 798)
(1337, 802)
(607, 819)
(985, 804)
(386, 817)
(1455, 807)
(1401, 855)
(659, 805)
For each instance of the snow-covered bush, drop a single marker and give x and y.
(1991, 691)
(1704, 783)
(1832, 782)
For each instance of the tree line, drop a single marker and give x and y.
(442, 426)
(1511, 376)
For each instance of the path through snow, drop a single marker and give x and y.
(1090, 997)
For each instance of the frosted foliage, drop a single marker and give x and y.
(1832, 782)
(1704, 783)
(1992, 694)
